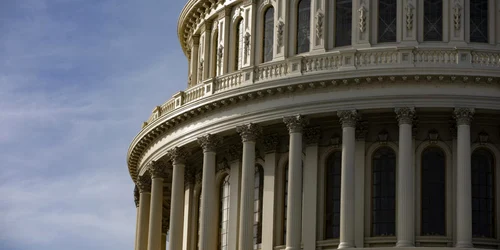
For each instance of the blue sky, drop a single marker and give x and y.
(77, 79)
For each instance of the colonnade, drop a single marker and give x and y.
(149, 221)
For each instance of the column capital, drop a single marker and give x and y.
(136, 196)
(144, 184)
(295, 123)
(164, 225)
(209, 142)
(157, 169)
(348, 118)
(405, 115)
(270, 143)
(178, 155)
(312, 135)
(249, 132)
(463, 116)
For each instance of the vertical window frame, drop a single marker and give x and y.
(265, 32)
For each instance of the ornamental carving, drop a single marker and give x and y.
(249, 132)
(405, 115)
(223, 166)
(362, 17)
(457, 15)
(234, 152)
(296, 123)
(246, 42)
(220, 53)
(209, 142)
(280, 28)
(409, 15)
(144, 183)
(348, 118)
(319, 24)
(463, 116)
(200, 71)
(433, 136)
(361, 130)
(271, 143)
(178, 155)
(157, 169)
(312, 135)
(136, 196)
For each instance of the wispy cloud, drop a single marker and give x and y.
(77, 78)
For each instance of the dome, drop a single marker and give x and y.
(314, 124)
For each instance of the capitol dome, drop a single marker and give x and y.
(323, 124)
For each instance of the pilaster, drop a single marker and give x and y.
(361, 23)
(319, 26)
(410, 14)
(309, 215)
(457, 20)
(194, 44)
(206, 34)
(282, 29)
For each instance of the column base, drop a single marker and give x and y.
(343, 245)
(464, 244)
(404, 243)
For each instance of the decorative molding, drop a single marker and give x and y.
(457, 15)
(383, 137)
(178, 155)
(144, 183)
(348, 118)
(409, 14)
(249, 132)
(361, 130)
(405, 115)
(295, 123)
(312, 135)
(319, 24)
(136, 196)
(246, 42)
(280, 32)
(271, 143)
(463, 116)
(362, 17)
(220, 54)
(433, 136)
(209, 142)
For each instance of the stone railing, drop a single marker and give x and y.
(348, 60)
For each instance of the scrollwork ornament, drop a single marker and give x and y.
(271, 143)
(249, 132)
(405, 115)
(246, 42)
(209, 142)
(319, 24)
(312, 135)
(457, 15)
(463, 116)
(348, 118)
(409, 15)
(296, 123)
(178, 155)
(144, 184)
(362, 17)
(280, 28)
(220, 53)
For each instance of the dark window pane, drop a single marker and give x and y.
(303, 26)
(268, 34)
(479, 21)
(343, 22)
(383, 192)
(433, 192)
(433, 20)
(332, 199)
(483, 198)
(387, 12)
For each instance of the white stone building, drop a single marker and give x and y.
(322, 124)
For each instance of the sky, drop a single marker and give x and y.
(77, 79)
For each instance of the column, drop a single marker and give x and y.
(234, 154)
(348, 119)
(309, 218)
(463, 117)
(359, 182)
(249, 134)
(136, 201)
(295, 125)
(164, 231)
(178, 157)
(453, 132)
(318, 19)
(157, 171)
(405, 212)
(270, 146)
(144, 185)
(208, 225)
(195, 44)
(189, 218)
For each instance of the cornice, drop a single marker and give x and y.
(256, 92)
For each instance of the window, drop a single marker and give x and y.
(224, 213)
(433, 196)
(332, 199)
(343, 22)
(268, 35)
(483, 194)
(239, 47)
(433, 20)
(303, 26)
(479, 21)
(387, 12)
(257, 221)
(383, 192)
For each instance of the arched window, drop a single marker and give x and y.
(383, 192)
(239, 47)
(483, 194)
(303, 26)
(479, 21)
(433, 20)
(343, 22)
(433, 196)
(258, 192)
(387, 24)
(332, 195)
(224, 213)
(267, 51)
